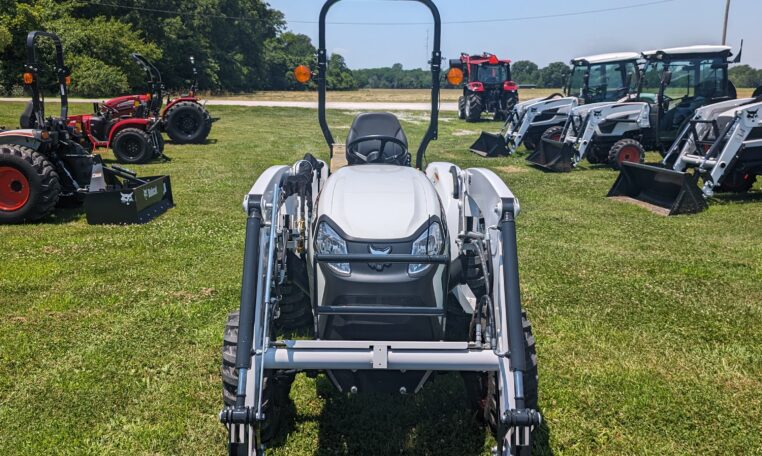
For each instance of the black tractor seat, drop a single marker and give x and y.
(381, 124)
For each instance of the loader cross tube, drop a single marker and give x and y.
(435, 65)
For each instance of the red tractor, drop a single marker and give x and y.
(184, 118)
(488, 86)
(132, 139)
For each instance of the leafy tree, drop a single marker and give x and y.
(554, 75)
(282, 55)
(338, 76)
(745, 76)
(525, 72)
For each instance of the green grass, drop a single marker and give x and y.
(649, 329)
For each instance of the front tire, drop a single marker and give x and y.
(474, 108)
(492, 407)
(626, 150)
(461, 108)
(133, 146)
(277, 385)
(553, 133)
(736, 182)
(187, 122)
(29, 185)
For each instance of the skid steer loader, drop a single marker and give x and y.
(722, 143)
(674, 84)
(383, 256)
(593, 79)
(43, 165)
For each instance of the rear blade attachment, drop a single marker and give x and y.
(116, 196)
(490, 145)
(553, 156)
(662, 190)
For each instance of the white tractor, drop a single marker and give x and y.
(674, 84)
(722, 144)
(398, 272)
(594, 79)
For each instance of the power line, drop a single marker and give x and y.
(474, 21)
(512, 19)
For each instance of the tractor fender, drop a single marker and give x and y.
(174, 101)
(141, 123)
(27, 138)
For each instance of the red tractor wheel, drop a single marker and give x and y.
(737, 182)
(626, 150)
(14, 189)
(29, 185)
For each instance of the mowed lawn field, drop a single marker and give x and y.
(648, 328)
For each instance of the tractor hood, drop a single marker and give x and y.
(561, 105)
(378, 201)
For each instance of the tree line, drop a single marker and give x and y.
(239, 46)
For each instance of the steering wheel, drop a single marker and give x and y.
(377, 156)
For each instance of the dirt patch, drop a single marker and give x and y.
(510, 169)
(655, 209)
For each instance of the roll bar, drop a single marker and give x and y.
(155, 85)
(436, 68)
(33, 66)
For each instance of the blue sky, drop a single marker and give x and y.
(659, 24)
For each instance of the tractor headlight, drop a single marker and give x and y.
(430, 242)
(328, 242)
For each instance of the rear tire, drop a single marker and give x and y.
(553, 133)
(461, 108)
(277, 385)
(187, 122)
(29, 185)
(626, 150)
(133, 145)
(474, 108)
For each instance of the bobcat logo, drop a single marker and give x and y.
(127, 198)
(383, 251)
(149, 192)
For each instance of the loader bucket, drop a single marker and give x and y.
(553, 155)
(660, 189)
(118, 197)
(490, 145)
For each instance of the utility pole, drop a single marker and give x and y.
(725, 26)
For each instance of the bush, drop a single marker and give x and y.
(93, 78)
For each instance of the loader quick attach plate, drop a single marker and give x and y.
(129, 203)
(490, 145)
(662, 190)
(553, 156)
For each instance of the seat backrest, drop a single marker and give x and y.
(376, 123)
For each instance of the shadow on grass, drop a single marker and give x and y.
(434, 421)
(737, 198)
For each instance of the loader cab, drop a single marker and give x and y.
(676, 82)
(603, 78)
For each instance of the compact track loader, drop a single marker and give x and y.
(401, 271)
(593, 79)
(43, 165)
(722, 144)
(675, 83)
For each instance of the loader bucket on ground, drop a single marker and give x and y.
(117, 196)
(660, 189)
(553, 156)
(490, 145)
